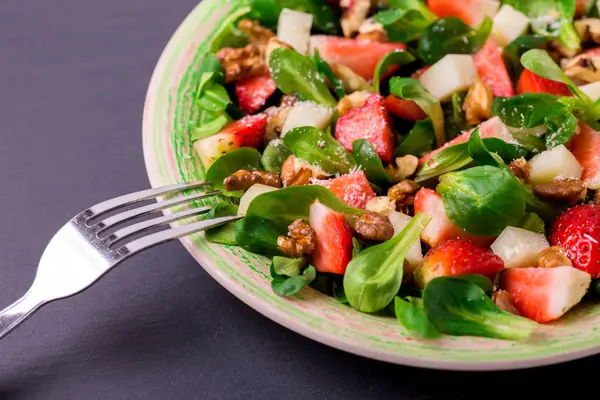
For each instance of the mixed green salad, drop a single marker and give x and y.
(437, 162)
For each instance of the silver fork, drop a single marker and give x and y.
(79, 255)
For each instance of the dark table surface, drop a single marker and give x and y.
(73, 76)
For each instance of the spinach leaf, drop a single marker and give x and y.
(532, 222)
(295, 73)
(338, 293)
(419, 140)
(526, 110)
(412, 316)
(459, 307)
(324, 18)
(212, 96)
(374, 276)
(224, 234)
(450, 159)
(366, 156)
(482, 281)
(274, 156)
(411, 89)
(210, 128)
(395, 57)
(515, 49)
(242, 158)
(508, 152)
(455, 121)
(317, 147)
(324, 68)
(550, 18)
(402, 25)
(289, 267)
(228, 35)
(286, 205)
(493, 151)
(258, 235)
(561, 128)
(531, 142)
(286, 286)
(482, 201)
(212, 99)
(418, 5)
(357, 247)
(451, 35)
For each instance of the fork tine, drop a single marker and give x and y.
(142, 195)
(157, 238)
(161, 205)
(156, 222)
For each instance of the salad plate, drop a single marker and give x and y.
(172, 129)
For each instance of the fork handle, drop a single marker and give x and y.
(18, 312)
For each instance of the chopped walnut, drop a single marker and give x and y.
(355, 13)
(584, 67)
(478, 103)
(257, 34)
(372, 226)
(297, 172)
(350, 101)
(503, 299)
(521, 168)
(568, 191)
(588, 29)
(557, 50)
(403, 193)
(273, 44)
(371, 31)
(403, 168)
(351, 80)
(301, 239)
(241, 63)
(381, 204)
(244, 179)
(552, 257)
(277, 117)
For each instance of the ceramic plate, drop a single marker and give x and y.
(169, 159)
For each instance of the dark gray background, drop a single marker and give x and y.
(73, 76)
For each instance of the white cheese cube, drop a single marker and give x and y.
(592, 90)
(294, 29)
(255, 190)
(519, 248)
(555, 163)
(483, 8)
(453, 73)
(307, 113)
(509, 24)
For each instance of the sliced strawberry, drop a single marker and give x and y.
(492, 128)
(334, 239)
(370, 122)
(545, 294)
(359, 55)
(352, 188)
(471, 12)
(577, 232)
(492, 70)
(532, 83)
(586, 148)
(253, 92)
(457, 257)
(441, 228)
(405, 109)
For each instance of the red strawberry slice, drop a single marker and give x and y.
(492, 70)
(253, 92)
(370, 122)
(405, 109)
(359, 55)
(586, 148)
(532, 83)
(457, 257)
(471, 12)
(352, 188)
(441, 228)
(334, 239)
(577, 232)
(492, 128)
(248, 131)
(545, 294)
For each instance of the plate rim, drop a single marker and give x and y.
(279, 317)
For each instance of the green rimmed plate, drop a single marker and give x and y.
(169, 159)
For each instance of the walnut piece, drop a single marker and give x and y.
(297, 172)
(257, 34)
(351, 80)
(403, 168)
(374, 227)
(301, 239)
(371, 31)
(273, 44)
(241, 63)
(552, 257)
(503, 299)
(521, 169)
(355, 13)
(353, 100)
(568, 191)
(277, 117)
(381, 204)
(588, 29)
(584, 67)
(478, 103)
(244, 179)
(404, 193)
